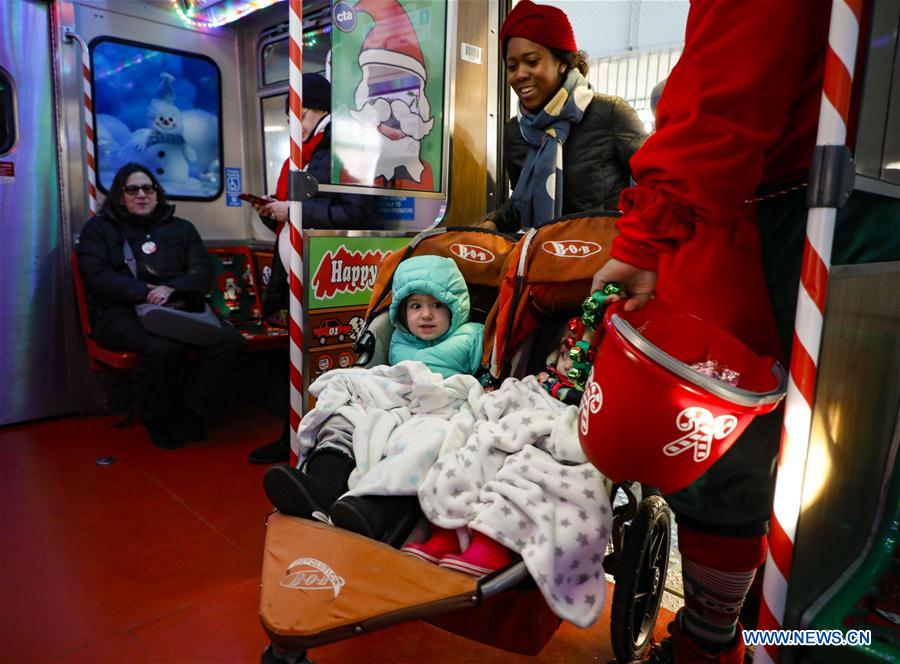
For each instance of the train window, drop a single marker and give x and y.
(7, 114)
(275, 60)
(275, 55)
(161, 108)
(276, 138)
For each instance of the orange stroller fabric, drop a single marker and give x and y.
(322, 584)
(479, 254)
(549, 270)
(517, 620)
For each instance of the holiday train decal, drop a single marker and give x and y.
(345, 271)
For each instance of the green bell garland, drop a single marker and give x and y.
(581, 352)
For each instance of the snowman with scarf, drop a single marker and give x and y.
(161, 146)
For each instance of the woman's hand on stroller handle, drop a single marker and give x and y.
(638, 285)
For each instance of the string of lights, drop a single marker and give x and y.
(310, 36)
(219, 14)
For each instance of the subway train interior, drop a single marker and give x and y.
(120, 543)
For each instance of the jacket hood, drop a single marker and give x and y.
(436, 276)
(161, 214)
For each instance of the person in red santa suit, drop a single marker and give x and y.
(391, 99)
(715, 225)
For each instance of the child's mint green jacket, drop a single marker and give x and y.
(459, 349)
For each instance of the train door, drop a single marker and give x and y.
(33, 317)
(141, 55)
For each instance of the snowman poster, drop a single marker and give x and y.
(161, 109)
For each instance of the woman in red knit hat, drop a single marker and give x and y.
(568, 148)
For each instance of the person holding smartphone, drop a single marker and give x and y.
(322, 211)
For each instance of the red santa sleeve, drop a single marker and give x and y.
(281, 189)
(724, 109)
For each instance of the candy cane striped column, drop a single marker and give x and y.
(839, 63)
(295, 27)
(90, 162)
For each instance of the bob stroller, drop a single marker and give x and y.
(322, 584)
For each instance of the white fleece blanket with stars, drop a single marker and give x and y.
(522, 479)
(506, 463)
(404, 417)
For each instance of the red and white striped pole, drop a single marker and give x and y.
(833, 115)
(295, 27)
(90, 162)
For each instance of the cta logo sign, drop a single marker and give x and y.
(472, 253)
(571, 248)
(345, 272)
(312, 574)
(344, 16)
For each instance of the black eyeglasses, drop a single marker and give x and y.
(133, 189)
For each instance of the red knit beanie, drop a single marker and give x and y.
(542, 24)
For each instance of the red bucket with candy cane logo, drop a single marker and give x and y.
(668, 394)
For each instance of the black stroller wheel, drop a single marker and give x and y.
(640, 579)
(273, 655)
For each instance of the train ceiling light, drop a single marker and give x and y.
(213, 13)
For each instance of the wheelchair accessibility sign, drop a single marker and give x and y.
(232, 187)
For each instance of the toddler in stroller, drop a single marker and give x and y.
(430, 314)
(306, 561)
(484, 555)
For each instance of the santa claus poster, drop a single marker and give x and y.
(388, 79)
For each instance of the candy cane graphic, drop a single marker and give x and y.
(89, 160)
(591, 403)
(840, 59)
(702, 428)
(295, 327)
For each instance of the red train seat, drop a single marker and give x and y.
(101, 358)
(236, 295)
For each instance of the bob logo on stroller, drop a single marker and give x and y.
(472, 253)
(312, 574)
(346, 272)
(571, 248)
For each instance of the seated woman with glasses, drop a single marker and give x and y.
(173, 395)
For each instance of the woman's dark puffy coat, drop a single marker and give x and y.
(337, 211)
(595, 159)
(179, 261)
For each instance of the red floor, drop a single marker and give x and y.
(157, 557)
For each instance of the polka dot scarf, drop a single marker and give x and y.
(538, 193)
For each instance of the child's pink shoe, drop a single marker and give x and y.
(441, 543)
(483, 556)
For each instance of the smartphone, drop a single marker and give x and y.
(255, 200)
